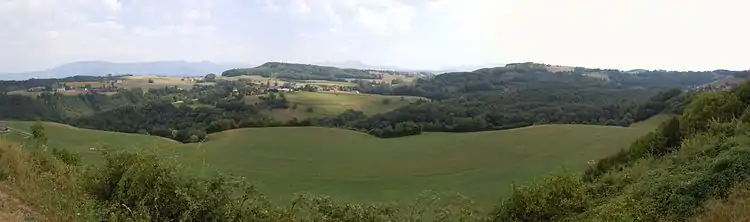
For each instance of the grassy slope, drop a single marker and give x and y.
(357, 167)
(330, 104)
(81, 140)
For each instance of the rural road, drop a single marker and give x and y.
(22, 132)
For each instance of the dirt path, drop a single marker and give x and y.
(22, 132)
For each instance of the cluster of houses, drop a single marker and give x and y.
(311, 88)
(106, 86)
(715, 87)
(265, 87)
(195, 79)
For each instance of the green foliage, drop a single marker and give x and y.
(37, 131)
(745, 117)
(38, 134)
(743, 92)
(707, 106)
(67, 157)
(300, 72)
(137, 187)
(663, 140)
(552, 199)
(501, 98)
(386, 101)
(210, 77)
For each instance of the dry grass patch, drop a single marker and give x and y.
(736, 207)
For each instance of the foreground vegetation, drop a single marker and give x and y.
(691, 166)
(137, 187)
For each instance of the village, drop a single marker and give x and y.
(248, 86)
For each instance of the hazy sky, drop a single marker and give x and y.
(679, 34)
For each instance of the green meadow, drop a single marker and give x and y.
(357, 167)
(326, 104)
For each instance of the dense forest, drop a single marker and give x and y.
(487, 99)
(520, 95)
(300, 72)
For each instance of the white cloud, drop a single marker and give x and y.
(382, 17)
(336, 20)
(113, 5)
(385, 17)
(299, 7)
(42, 34)
(270, 5)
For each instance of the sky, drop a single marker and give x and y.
(424, 34)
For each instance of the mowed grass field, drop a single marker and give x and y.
(357, 167)
(322, 104)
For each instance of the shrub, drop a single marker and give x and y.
(386, 101)
(67, 157)
(707, 106)
(135, 186)
(551, 199)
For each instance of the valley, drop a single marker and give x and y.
(374, 111)
(363, 138)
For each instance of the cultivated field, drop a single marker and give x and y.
(357, 167)
(332, 103)
(130, 82)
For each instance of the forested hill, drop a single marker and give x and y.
(520, 76)
(300, 72)
(527, 93)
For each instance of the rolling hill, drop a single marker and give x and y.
(326, 104)
(358, 167)
(82, 140)
(300, 72)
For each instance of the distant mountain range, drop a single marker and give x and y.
(101, 68)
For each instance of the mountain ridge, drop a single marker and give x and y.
(101, 68)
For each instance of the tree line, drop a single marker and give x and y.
(300, 72)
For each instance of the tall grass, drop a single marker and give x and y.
(48, 185)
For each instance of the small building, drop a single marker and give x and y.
(36, 89)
